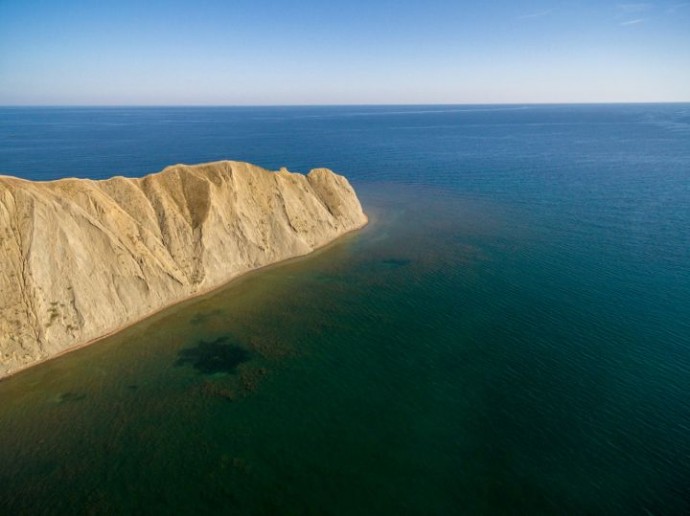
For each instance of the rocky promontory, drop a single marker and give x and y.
(80, 259)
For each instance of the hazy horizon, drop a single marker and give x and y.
(429, 104)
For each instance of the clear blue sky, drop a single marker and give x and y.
(342, 52)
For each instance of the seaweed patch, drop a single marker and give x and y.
(210, 357)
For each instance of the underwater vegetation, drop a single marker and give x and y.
(212, 357)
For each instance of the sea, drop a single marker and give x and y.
(510, 334)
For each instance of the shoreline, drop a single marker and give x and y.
(193, 296)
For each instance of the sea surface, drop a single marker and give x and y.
(509, 335)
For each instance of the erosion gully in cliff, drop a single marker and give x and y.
(80, 259)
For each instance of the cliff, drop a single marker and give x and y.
(80, 259)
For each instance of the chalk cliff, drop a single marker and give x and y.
(80, 259)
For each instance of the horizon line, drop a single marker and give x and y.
(115, 106)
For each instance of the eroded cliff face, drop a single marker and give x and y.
(80, 259)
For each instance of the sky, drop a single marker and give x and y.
(279, 52)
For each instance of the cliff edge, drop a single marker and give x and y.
(80, 259)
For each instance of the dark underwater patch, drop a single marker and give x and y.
(70, 396)
(396, 262)
(210, 357)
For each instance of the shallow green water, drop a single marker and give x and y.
(335, 406)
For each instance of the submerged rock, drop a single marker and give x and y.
(80, 259)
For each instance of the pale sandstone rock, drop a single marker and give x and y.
(80, 259)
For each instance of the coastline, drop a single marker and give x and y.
(191, 297)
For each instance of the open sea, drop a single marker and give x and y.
(509, 335)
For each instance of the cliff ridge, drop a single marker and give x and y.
(82, 258)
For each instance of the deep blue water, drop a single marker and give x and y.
(510, 335)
